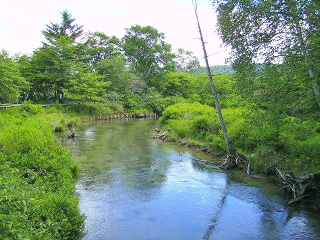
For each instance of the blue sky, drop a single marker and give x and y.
(21, 22)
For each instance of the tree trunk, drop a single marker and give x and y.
(232, 158)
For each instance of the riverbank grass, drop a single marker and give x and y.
(293, 146)
(37, 178)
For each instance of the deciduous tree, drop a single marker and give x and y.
(186, 61)
(270, 31)
(11, 82)
(147, 53)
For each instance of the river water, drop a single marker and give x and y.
(139, 188)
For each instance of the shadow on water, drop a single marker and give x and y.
(217, 213)
(136, 187)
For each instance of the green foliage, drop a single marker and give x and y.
(60, 128)
(253, 131)
(202, 126)
(309, 151)
(186, 61)
(31, 109)
(186, 111)
(103, 53)
(130, 100)
(138, 111)
(272, 32)
(176, 84)
(72, 122)
(216, 69)
(195, 121)
(11, 84)
(37, 178)
(87, 87)
(93, 109)
(66, 29)
(116, 107)
(113, 69)
(147, 52)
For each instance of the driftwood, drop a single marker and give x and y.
(162, 135)
(231, 161)
(299, 185)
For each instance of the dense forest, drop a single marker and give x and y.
(270, 96)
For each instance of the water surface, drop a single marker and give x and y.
(136, 187)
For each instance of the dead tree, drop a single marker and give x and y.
(299, 185)
(232, 159)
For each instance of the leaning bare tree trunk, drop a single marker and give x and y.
(232, 158)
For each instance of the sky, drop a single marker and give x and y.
(21, 22)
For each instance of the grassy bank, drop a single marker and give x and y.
(293, 146)
(37, 178)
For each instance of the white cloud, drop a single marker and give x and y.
(21, 22)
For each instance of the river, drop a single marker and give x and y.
(135, 187)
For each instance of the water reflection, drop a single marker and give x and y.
(135, 187)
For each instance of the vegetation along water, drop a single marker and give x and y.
(269, 97)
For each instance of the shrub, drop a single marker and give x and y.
(93, 109)
(37, 179)
(72, 122)
(202, 126)
(31, 109)
(59, 128)
(116, 107)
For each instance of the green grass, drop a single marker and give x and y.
(37, 178)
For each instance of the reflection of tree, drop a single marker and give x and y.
(218, 212)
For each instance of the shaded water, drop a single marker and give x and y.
(136, 187)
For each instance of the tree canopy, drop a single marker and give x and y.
(66, 29)
(273, 32)
(12, 84)
(147, 52)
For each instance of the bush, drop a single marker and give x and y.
(116, 107)
(31, 109)
(59, 128)
(93, 109)
(203, 126)
(305, 154)
(37, 179)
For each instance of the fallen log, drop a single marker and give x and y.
(299, 185)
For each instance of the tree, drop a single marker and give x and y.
(147, 53)
(232, 159)
(99, 47)
(114, 69)
(86, 87)
(54, 65)
(176, 84)
(186, 61)
(59, 59)
(270, 31)
(11, 83)
(66, 29)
